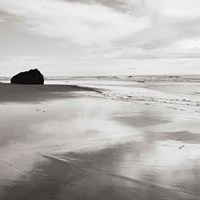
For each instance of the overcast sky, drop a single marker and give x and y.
(98, 37)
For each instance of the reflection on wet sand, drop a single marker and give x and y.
(89, 148)
(112, 173)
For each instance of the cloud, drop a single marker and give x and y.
(104, 30)
(177, 8)
(172, 23)
(81, 23)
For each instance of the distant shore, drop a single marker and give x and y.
(169, 77)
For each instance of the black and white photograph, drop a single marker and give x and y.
(99, 99)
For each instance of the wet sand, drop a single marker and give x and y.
(68, 142)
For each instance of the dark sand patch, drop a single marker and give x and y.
(181, 136)
(140, 121)
(38, 93)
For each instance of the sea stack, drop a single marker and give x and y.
(32, 77)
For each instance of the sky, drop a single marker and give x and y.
(100, 37)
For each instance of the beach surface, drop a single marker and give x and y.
(101, 138)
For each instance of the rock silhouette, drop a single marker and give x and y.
(32, 76)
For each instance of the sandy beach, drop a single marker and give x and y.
(101, 138)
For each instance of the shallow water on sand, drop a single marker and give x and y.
(89, 148)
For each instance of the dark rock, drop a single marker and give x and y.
(32, 76)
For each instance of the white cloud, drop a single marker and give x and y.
(175, 8)
(81, 23)
(111, 29)
(145, 25)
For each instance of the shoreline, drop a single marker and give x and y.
(147, 77)
(106, 143)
